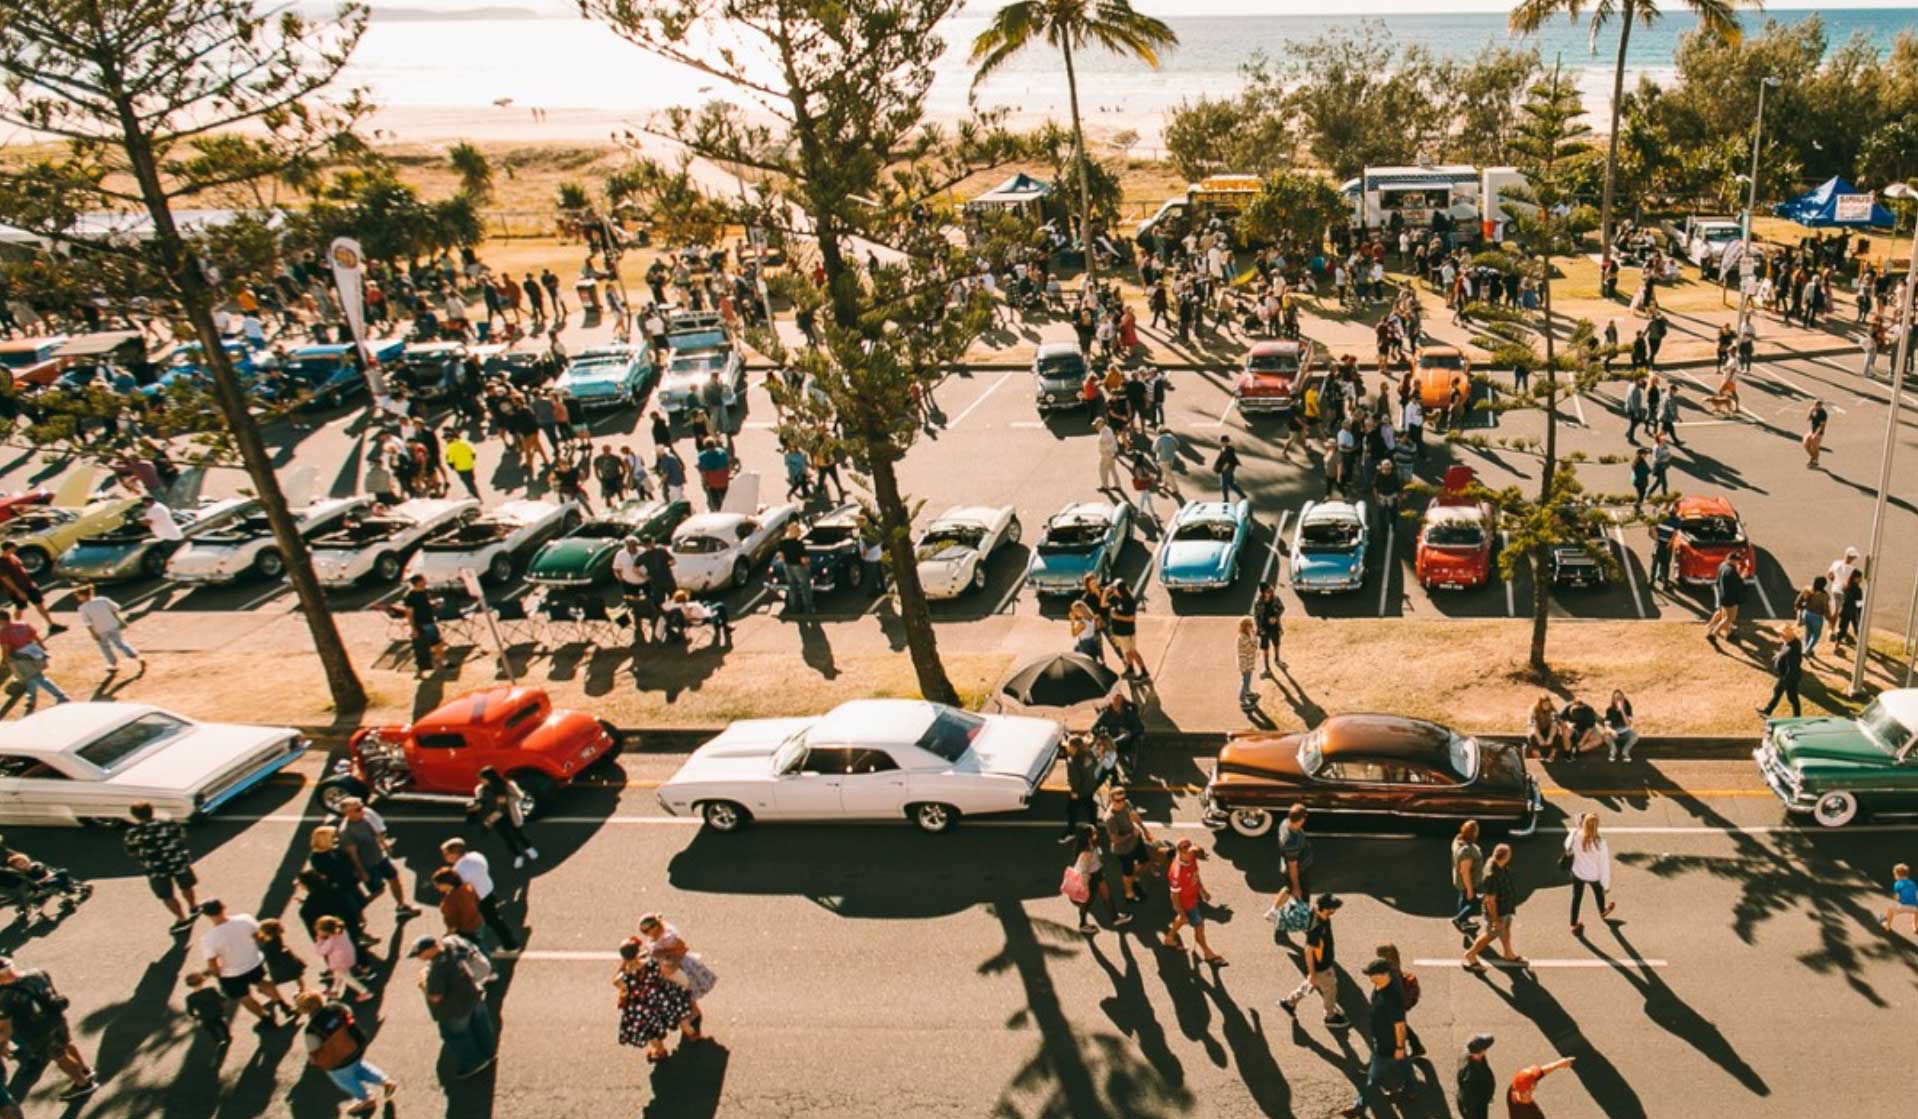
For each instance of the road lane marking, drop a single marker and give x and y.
(1532, 965)
(1272, 554)
(1138, 588)
(977, 401)
(1391, 562)
(1027, 423)
(269, 595)
(1223, 416)
(1511, 596)
(1625, 561)
(1762, 596)
(758, 597)
(1578, 405)
(1012, 592)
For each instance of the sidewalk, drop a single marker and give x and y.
(256, 667)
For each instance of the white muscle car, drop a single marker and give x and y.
(490, 544)
(376, 545)
(953, 550)
(869, 759)
(79, 763)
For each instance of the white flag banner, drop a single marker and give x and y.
(349, 281)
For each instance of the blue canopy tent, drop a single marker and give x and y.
(1834, 202)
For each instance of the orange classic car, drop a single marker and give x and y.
(1709, 531)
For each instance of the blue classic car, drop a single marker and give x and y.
(1328, 547)
(328, 374)
(1203, 544)
(1085, 538)
(608, 376)
(185, 367)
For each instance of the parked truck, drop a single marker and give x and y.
(1221, 196)
(1703, 241)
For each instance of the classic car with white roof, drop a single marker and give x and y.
(1085, 538)
(695, 350)
(712, 551)
(608, 376)
(1837, 770)
(868, 759)
(1203, 545)
(953, 551)
(429, 370)
(87, 763)
(376, 544)
(489, 545)
(142, 545)
(1328, 547)
(246, 546)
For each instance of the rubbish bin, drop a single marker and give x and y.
(588, 292)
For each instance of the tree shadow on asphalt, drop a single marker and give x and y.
(1674, 1015)
(1601, 1079)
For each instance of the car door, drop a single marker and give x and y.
(441, 763)
(811, 790)
(874, 788)
(1355, 785)
(33, 793)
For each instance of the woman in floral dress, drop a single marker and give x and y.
(650, 1005)
(679, 965)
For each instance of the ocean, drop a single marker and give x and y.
(570, 63)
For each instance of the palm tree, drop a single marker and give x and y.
(1071, 25)
(1715, 17)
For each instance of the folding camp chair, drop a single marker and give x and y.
(516, 626)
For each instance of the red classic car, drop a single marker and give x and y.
(1370, 764)
(1274, 376)
(1456, 536)
(1708, 531)
(438, 757)
(12, 503)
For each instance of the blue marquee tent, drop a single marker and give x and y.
(1834, 202)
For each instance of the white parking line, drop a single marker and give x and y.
(1578, 405)
(1390, 564)
(1767, 372)
(1531, 965)
(1012, 592)
(1511, 596)
(1027, 423)
(1272, 555)
(270, 594)
(758, 597)
(977, 401)
(1762, 596)
(1223, 416)
(1625, 561)
(1138, 589)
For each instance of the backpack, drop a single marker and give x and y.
(473, 961)
(340, 1042)
(1411, 985)
(1074, 886)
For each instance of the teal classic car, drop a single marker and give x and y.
(1085, 538)
(585, 555)
(1835, 769)
(136, 548)
(608, 376)
(1203, 545)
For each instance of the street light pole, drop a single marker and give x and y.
(1895, 190)
(1751, 210)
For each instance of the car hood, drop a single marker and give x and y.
(112, 553)
(1065, 567)
(1324, 565)
(1193, 557)
(569, 557)
(742, 752)
(598, 376)
(1015, 746)
(202, 755)
(1826, 741)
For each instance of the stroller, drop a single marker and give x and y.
(28, 886)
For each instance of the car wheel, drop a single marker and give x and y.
(269, 564)
(500, 568)
(539, 790)
(335, 793)
(742, 571)
(979, 577)
(387, 567)
(1014, 531)
(855, 574)
(1835, 810)
(934, 818)
(153, 564)
(34, 560)
(1250, 822)
(724, 816)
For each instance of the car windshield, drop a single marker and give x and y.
(122, 742)
(698, 365)
(696, 340)
(830, 536)
(1073, 536)
(1274, 363)
(1721, 233)
(699, 545)
(950, 537)
(597, 367)
(1312, 751)
(1455, 534)
(950, 733)
(1057, 367)
(1462, 753)
(603, 530)
(1883, 726)
(20, 359)
(790, 751)
(1328, 536)
(1441, 361)
(1712, 530)
(1205, 530)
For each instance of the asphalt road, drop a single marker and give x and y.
(874, 971)
(994, 449)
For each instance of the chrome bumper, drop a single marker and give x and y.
(1796, 800)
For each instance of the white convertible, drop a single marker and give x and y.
(377, 545)
(869, 759)
(489, 544)
(84, 763)
(953, 550)
(712, 551)
(246, 546)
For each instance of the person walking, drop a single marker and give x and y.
(1500, 897)
(679, 964)
(1641, 478)
(715, 468)
(1634, 409)
(27, 660)
(1387, 1022)
(1519, 1101)
(160, 847)
(457, 1002)
(1248, 661)
(501, 806)
(1663, 534)
(1082, 787)
(107, 626)
(1108, 458)
(1122, 626)
(1409, 993)
(1591, 865)
(473, 869)
(1466, 863)
(21, 588)
(1268, 611)
(339, 959)
(1295, 852)
(35, 1030)
(1476, 1082)
(1129, 838)
(1728, 591)
(1904, 898)
(462, 458)
(459, 905)
(1813, 608)
(1788, 671)
(1668, 415)
(336, 1045)
(1082, 876)
(1189, 896)
(1226, 465)
(234, 958)
(1816, 419)
(1850, 608)
(1661, 465)
(1321, 965)
(362, 835)
(650, 1005)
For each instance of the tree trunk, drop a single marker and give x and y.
(922, 642)
(1541, 556)
(1626, 15)
(196, 296)
(1079, 155)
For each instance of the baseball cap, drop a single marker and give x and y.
(1328, 901)
(423, 944)
(1378, 967)
(1479, 1043)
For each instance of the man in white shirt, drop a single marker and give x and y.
(1840, 573)
(104, 621)
(233, 958)
(473, 870)
(160, 521)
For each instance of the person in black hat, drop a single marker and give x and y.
(1321, 965)
(1476, 1084)
(1388, 1040)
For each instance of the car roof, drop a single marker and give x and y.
(480, 708)
(1437, 350)
(1386, 737)
(434, 347)
(872, 722)
(52, 732)
(1274, 346)
(1331, 511)
(1708, 506)
(1902, 703)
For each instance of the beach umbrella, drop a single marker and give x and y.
(1060, 680)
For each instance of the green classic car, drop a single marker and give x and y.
(1835, 769)
(585, 556)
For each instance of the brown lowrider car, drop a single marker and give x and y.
(1378, 764)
